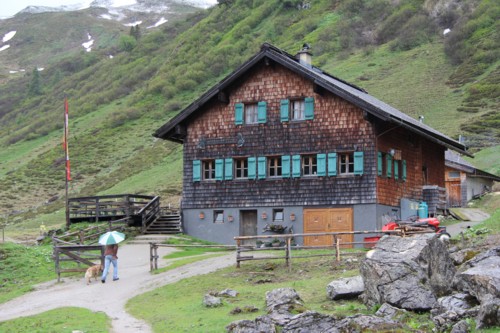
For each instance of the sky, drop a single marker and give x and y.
(10, 8)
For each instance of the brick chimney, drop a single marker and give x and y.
(305, 56)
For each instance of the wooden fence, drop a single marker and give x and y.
(286, 245)
(153, 251)
(76, 247)
(79, 254)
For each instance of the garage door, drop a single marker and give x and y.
(327, 220)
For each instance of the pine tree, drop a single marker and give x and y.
(34, 87)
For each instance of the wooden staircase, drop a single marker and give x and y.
(169, 222)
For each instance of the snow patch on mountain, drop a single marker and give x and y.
(8, 36)
(157, 24)
(5, 47)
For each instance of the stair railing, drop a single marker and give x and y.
(149, 213)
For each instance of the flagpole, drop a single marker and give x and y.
(66, 158)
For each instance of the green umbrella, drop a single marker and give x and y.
(111, 237)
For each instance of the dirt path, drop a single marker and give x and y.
(135, 279)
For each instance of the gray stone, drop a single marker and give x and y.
(227, 293)
(480, 276)
(261, 324)
(489, 314)
(390, 312)
(311, 322)
(460, 327)
(283, 299)
(345, 288)
(370, 323)
(407, 272)
(460, 303)
(211, 301)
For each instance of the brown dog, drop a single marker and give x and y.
(93, 272)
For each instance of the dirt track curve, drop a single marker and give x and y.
(135, 279)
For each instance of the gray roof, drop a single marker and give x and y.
(454, 160)
(343, 89)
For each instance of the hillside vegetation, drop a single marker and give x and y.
(395, 51)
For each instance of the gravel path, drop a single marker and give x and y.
(135, 279)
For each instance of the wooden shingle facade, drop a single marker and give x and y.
(279, 142)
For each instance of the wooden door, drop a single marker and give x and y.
(248, 225)
(454, 190)
(327, 220)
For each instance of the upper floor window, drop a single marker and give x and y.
(297, 109)
(346, 163)
(218, 216)
(278, 215)
(309, 165)
(250, 113)
(208, 169)
(241, 168)
(274, 166)
(453, 174)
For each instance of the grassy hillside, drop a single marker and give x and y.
(399, 55)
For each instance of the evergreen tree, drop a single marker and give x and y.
(34, 87)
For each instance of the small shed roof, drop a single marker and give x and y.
(341, 88)
(455, 161)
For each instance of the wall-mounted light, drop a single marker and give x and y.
(201, 215)
(392, 152)
(292, 217)
(264, 216)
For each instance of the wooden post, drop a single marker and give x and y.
(289, 253)
(238, 250)
(337, 247)
(97, 209)
(151, 257)
(58, 271)
(156, 256)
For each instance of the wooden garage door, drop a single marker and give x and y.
(327, 220)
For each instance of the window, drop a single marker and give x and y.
(297, 109)
(241, 168)
(278, 215)
(209, 170)
(218, 216)
(251, 113)
(346, 163)
(274, 166)
(453, 174)
(309, 165)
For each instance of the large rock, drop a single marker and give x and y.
(261, 324)
(489, 314)
(480, 276)
(345, 288)
(460, 303)
(370, 323)
(407, 272)
(311, 322)
(281, 303)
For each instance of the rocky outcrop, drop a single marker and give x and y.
(345, 288)
(409, 273)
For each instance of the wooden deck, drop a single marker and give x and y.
(132, 209)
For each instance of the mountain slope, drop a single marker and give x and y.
(116, 104)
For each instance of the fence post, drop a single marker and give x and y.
(238, 250)
(150, 257)
(288, 254)
(58, 271)
(337, 247)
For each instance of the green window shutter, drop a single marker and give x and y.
(284, 109)
(388, 159)
(404, 170)
(321, 167)
(358, 163)
(379, 163)
(296, 166)
(309, 108)
(228, 169)
(396, 170)
(261, 167)
(238, 113)
(252, 168)
(332, 164)
(285, 166)
(196, 170)
(219, 169)
(262, 112)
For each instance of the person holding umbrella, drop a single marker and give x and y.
(111, 240)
